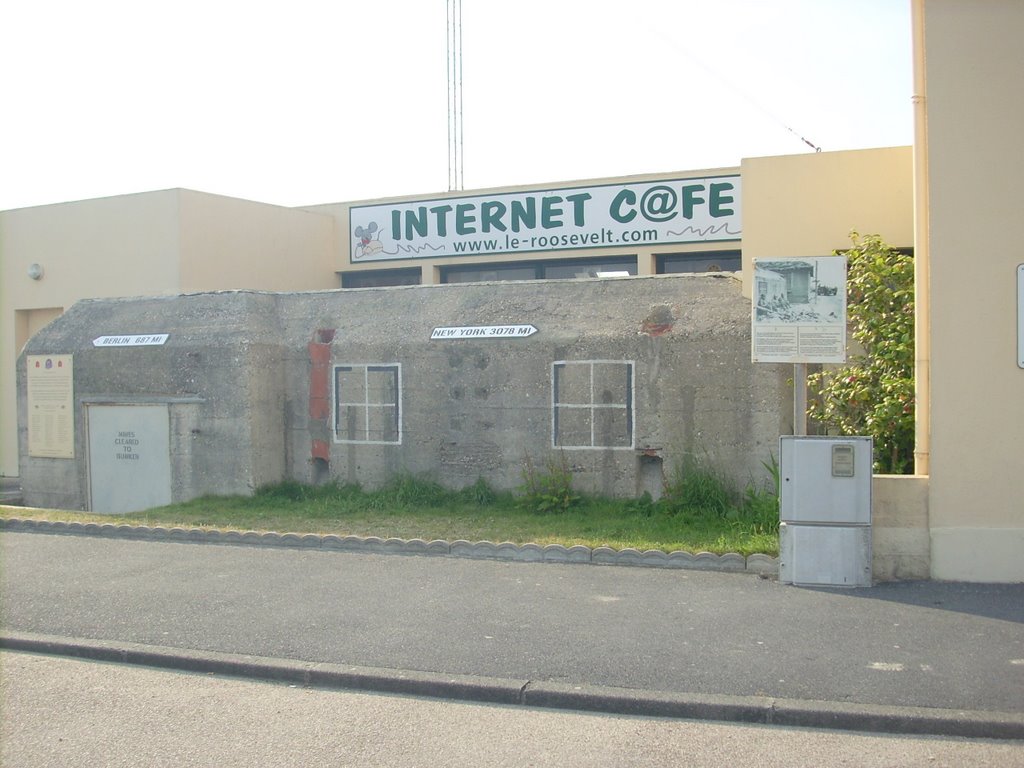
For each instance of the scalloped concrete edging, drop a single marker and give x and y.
(763, 565)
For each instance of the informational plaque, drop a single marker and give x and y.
(798, 311)
(51, 412)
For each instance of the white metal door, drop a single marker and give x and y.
(129, 457)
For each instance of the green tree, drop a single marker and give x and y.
(873, 394)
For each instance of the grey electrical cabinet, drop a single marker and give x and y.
(825, 510)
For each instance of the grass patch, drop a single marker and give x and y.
(411, 507)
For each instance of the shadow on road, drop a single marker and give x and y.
(995, 601)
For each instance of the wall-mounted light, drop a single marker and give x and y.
(35, 271)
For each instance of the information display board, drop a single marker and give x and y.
(798, 310)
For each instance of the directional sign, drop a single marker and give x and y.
(483, 332)
(131, 340)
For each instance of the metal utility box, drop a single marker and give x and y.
(825, 509)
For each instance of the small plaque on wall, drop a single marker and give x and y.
(51, 412)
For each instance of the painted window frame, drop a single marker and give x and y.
(337, 405)
(629, 407)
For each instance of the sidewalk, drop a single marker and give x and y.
(917, 657)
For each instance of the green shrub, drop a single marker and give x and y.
(407, 490)
(759, 506)
(479, 493)
(697, 493)
(294, 492)
(644, 506)
(873, 394)
(698, 489)
(286, 490)
(550, 489)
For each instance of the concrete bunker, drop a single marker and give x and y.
(624, 377)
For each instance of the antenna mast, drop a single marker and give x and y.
(454, 47)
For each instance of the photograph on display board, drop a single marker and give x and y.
(800, 290)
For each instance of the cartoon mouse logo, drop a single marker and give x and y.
(368, 244)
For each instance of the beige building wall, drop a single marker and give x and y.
(117, 246)
(974, 112)
(806, 205)
(232, 243)
(167, 242)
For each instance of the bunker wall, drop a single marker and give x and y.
(622, 380)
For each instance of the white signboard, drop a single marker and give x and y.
(131, 340)
(606, 216)
(484, 332)
(1020, 315)
(798, 310)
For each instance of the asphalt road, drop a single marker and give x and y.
(81, 714)
(954, 646)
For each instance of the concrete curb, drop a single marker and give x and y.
(738, 709)
(763, 565)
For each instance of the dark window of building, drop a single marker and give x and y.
(381, 278)
(479, 273)
(568, 270)
(713, 261)
(561, 269)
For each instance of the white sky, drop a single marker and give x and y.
(314, 101)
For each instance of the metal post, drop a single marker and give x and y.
(799, 398)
